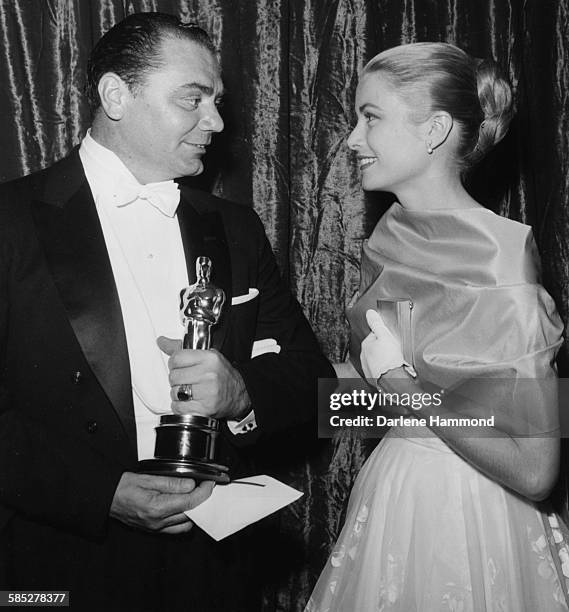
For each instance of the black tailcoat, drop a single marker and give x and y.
(67, 427)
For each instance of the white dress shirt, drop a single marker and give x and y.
(147, 257)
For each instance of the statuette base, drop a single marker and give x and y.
(199, 470)
(185, 447)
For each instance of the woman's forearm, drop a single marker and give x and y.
(528, 465)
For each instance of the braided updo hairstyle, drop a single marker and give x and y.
(441, 77)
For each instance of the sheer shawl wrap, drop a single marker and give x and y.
(480, 325)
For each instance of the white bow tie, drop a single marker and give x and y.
(165, 196)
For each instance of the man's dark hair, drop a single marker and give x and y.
(131, 49)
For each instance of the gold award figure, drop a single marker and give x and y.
(185, 443)
(200, 307)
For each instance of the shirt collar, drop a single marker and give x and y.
(120, 187)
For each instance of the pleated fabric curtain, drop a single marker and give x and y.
(290, 68)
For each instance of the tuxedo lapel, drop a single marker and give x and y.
(203, 235)
(190, 222)
(75, 250)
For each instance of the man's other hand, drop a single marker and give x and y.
(157, 503)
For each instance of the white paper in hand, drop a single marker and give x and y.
(237, 504)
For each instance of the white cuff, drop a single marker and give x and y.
(244, 425)
(249, 423)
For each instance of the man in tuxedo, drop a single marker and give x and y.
(93, 253)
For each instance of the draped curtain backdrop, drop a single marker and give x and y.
(290, 69)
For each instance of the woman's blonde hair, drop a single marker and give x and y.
(440, 76)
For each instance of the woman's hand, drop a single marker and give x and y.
(380, 350)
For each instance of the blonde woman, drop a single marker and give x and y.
(448, 517)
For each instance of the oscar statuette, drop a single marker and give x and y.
(185, 443)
